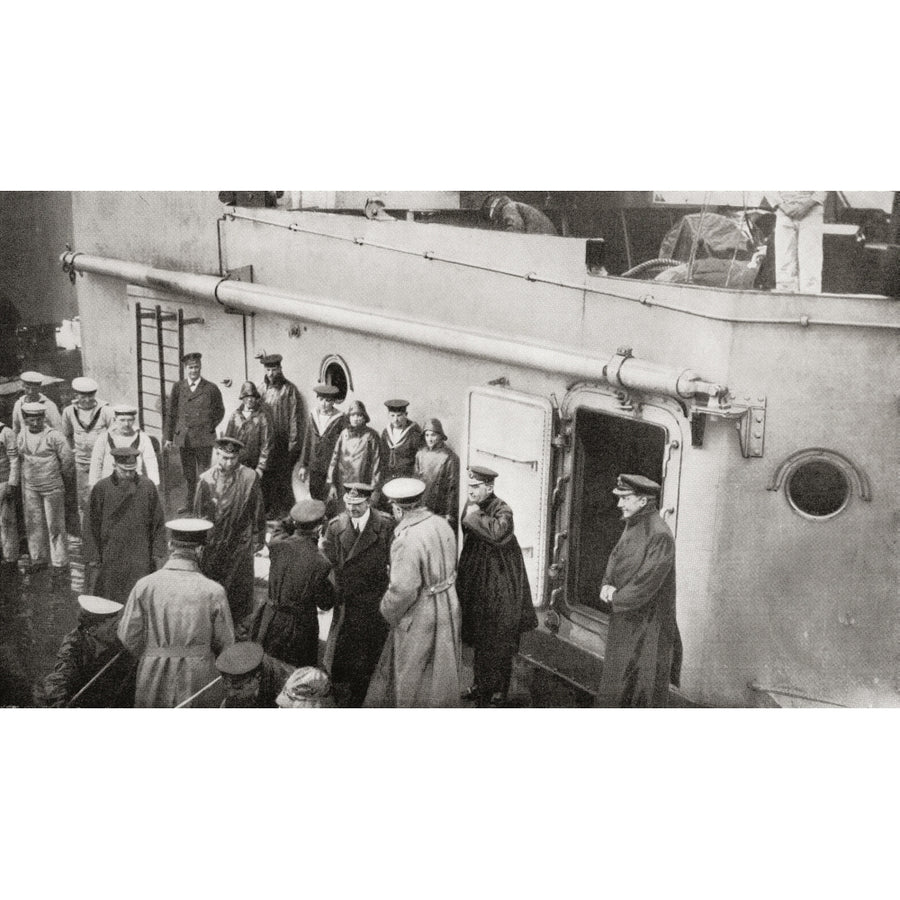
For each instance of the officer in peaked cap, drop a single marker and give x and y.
(636, 484)
(357, 543)
(493, 589)
(404, 491)
(482, 475)
(251, 678)
(176, 621)
(643, 648)
(195, 411)
(91, 668)
(308, 513)
(124, 535)
(229, 494)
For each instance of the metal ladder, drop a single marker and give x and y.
(159, 341)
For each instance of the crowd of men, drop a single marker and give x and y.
(170, 621)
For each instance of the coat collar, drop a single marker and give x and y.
(182, 565)
(420, 514)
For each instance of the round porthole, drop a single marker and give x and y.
(818, 488)
(334, 371)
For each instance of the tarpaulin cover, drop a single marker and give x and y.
(717, 236)
(713, 273)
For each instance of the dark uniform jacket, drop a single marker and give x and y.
(256, 433)
(124, 529)
(643, 649)
(439, 469)
(400, 458)
(361, 574)
(193, 416)
(84, 652)
(492, 583)
(287, 624)
(317, 451)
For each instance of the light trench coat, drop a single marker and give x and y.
(176, 621)
(420, 663)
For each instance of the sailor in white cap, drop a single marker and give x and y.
(122, 433)
(92, 668)
(177, 621)
(421, 660)
(31, 386)
(124, 537)
(47, 463)
(83, 421)
(229, 495)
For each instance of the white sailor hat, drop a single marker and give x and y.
(31, 378)
(404, 490)
(125, 409)
(33, 408)
(99, 606)
(84, 385)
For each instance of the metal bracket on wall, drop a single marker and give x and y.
(748, 416)
(243, 273)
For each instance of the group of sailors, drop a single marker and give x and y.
(170, 620)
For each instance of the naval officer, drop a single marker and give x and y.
(195, 409)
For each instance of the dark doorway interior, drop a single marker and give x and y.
(604, 447)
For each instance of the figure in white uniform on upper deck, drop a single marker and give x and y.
(798, 241)
(122, 433)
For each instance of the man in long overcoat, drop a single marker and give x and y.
(251, 423)
(195, 409)
(493, 588)
(357, 455)
(91, 650)
(421, 660)
(438, 466)
(357, 543)
(124, 531)
(643, 649)
(287, 624)
(282, 399)
(229, 495)
(176, 621)
(323, 428)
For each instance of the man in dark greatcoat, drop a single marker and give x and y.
(438, 466)
(287, 624)
(124, 528)
(229, 496)
(92, 650)
(493, 589)
(195, 409)
(252, 424)
(323, 427)
(643, 649)
(282, 399)
(358, 545)
(400, 442)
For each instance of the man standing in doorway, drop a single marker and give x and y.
(123, 529)
(282, 399)
(643, 649)
(493, 589)
(176, 621)
(229, 496)
(421, 660)
(84, 420)
(195, 409)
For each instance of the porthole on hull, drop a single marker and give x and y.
(819, 483)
